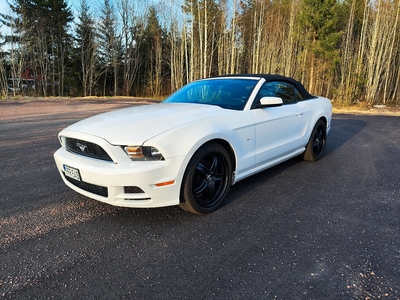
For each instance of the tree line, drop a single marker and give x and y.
(347, 50)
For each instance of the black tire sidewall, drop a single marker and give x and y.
(309, 153)
(187, 196)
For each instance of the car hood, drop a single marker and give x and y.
(140, 123)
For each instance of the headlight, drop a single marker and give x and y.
(63, 141)
(143, 153)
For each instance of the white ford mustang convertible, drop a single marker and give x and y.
(189, 149)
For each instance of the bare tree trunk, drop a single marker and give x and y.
(62, 68)
(191, 66)
(361, 63)
(84, 73)
(200, 49)
(17, 62)
(185, 41)
(205, 49)
(53, 71)
(3, 78)
(257, 32)
(380, 55)
(390, 64)
(115, 77)
(42, 61)
(347, 85)
(291, 41)
(131, 47)
(233, 66)
(311, 78)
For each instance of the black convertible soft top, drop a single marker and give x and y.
(275, 77)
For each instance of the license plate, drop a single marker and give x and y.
(72, 173)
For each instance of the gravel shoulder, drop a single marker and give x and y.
(30, 107)
(383, 111)
(33, 107)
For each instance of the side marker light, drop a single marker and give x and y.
(165, 183)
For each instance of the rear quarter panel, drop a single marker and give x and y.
(315, 109)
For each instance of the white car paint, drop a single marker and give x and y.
(259, 139)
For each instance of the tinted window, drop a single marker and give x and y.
(284, 90)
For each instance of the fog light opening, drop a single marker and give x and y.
(133, 190)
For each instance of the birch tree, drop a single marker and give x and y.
(203, 32)
(380, 52)
(152, 48)
(132, 32)
(3, 73)
(178, 53)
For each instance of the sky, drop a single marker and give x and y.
(4, 9)
(3, 6)
(73, 4)
(94, 5)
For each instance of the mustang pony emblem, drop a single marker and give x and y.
(81, 146)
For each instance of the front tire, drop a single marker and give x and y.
(207, 179)
(316, 145)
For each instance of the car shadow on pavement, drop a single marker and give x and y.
(343, 129)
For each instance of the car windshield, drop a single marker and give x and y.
(227, 93)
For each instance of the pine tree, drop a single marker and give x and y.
(319, 20)
(42, 31)
(3, 73)
(86, 48)
(152, 49)
(109, 47)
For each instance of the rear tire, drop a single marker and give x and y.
(207, 179)
(316, 145)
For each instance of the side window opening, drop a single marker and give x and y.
(284, 90)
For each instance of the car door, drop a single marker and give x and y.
(278, 130)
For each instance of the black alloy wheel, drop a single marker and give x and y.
(207, 179)
(316, 144)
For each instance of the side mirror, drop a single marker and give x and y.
(271, 101)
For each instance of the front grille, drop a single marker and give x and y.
(86, 149)
(88, 187)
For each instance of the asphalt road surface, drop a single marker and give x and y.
(324, 230)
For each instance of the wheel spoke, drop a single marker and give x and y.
(202, 169)
(211, 188)
(201, 188)
(319, 133)
(318, 143)
(208, 181)
(201, 181)
(214, 165)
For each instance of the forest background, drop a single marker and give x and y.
(347, 50)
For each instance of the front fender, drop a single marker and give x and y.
(236, 128)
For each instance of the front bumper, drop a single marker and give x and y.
(125, 183)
